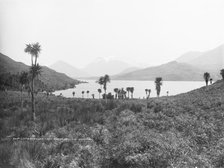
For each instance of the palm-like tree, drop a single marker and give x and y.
(146, 92)
(87, 93)
(167, 93)
(206, 77)
(116, 92)
(158, 82)
(100, 81)
(119, 94)
(83, 94)
(124, 93)
(103, 80)
(149, 90)
(28, 50)
(73, 93)
(23, 80)
(132, 91)
(99, 91)
(35, 70)
(128, 90)
(210, 80)
(222, 73)
(34, 50)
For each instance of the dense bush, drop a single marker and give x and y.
(177, 131)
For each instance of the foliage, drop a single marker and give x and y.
(158, 82)
(132, 91)
(116, 92)
(222, 73)
(35, 70)
(103, 80)
(180, 131)
(13, 81)
(206, 77)
(108, 96)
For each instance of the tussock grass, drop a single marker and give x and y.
(186, 130)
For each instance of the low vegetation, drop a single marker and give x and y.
(180, 131)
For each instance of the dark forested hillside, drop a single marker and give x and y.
(49, 77)
(8, 65)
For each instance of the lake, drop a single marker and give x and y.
(174, 87)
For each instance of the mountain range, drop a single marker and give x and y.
(172, 71)
(212, 60)
(101, 66)
(189, 67)
(61, 66)
(96, 68)
(49, 77)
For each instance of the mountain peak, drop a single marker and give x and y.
(211, 60)
(109, 66)
(64, 67)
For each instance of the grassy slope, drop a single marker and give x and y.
(186, 130)
(50, 77)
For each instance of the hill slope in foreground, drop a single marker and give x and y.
(48, 76)
(180, 131)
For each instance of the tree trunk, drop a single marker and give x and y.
(106, 95)
(158, 91)
(31, 60)
(33, 101)
(35, 60)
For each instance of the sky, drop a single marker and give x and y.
(139, 32)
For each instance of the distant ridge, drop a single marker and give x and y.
(73, 72)
(189, 56)
(128, 70)
(48, 76)
(101, 66)
(211, 60)
(172, 71)
(188, 67)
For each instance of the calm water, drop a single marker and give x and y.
(174, 87)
